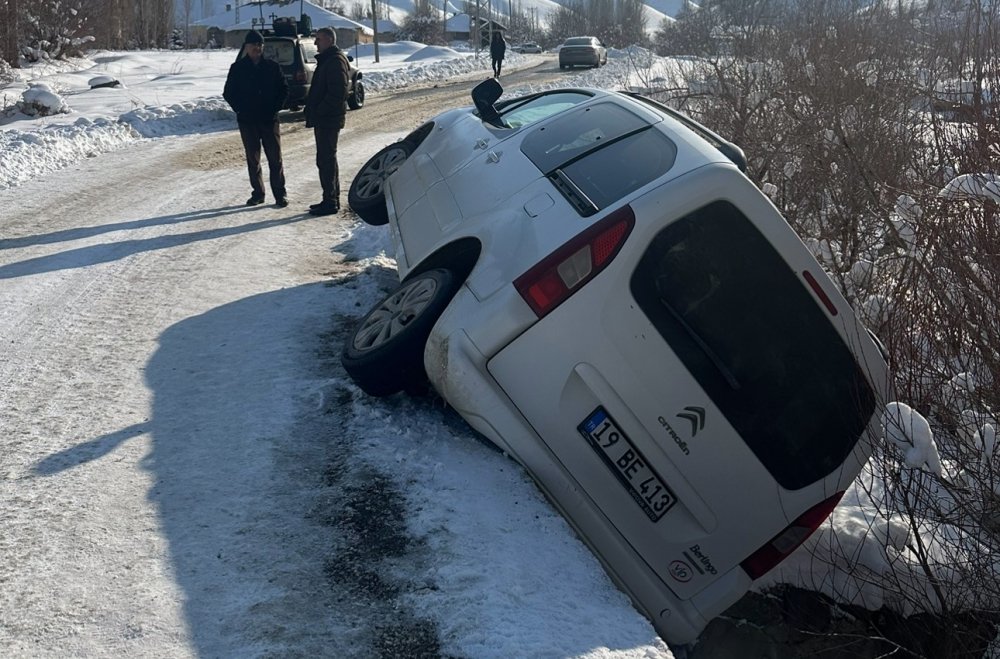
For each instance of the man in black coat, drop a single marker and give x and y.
(498, 48)
(256, 90)
(326, 108)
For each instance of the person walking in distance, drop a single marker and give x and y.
(326, 108)
(498, 48)
(256, 90)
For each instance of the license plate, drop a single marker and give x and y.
(628, 464)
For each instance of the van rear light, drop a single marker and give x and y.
(560, 274)
(300, 76)
(820, 293)
(761, 561)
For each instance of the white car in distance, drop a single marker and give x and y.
(592, 282)
(528, 48)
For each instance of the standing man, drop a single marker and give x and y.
(498, 48)
(256, 90)
(326, 108)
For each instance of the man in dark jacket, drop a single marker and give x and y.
(498, 48)
(256, 90)
(326, 108)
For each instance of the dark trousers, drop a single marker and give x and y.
(497, 63)
(326, 162)
(267, 134)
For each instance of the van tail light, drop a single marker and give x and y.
(761, 561)
(300, 76)
(563, 272)
(820, 293)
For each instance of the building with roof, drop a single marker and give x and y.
(238, 19)
(461, 27)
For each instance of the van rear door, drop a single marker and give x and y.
(695, 381)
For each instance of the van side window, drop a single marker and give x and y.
(575, 132)
(597, 154)
(520, 113)
(308, 51)
(610, 173)
(745, 326)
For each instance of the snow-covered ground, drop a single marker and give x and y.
(454, 483)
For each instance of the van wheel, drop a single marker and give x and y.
(385, 352)
(367, 193)
(357, 98)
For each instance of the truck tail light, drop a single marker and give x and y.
(560, 274)
(761, 561)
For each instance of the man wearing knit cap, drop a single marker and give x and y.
(256, 90)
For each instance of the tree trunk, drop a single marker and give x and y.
(9, 33)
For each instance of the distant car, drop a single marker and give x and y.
(582, 51)
(528, 47)
(297, 56)
(590, 280)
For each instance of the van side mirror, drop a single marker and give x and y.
(484, 95)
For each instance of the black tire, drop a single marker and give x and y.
(385, 351)
(367, 194)
(356, 100)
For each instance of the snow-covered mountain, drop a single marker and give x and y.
(657, 10)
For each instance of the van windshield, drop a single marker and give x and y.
(748, 330)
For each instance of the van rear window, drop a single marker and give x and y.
(745, 326)
(282, 52)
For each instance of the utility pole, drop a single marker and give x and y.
(375, 28)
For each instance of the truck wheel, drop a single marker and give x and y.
(357, 98)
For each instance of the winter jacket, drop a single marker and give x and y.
(498, 47)
(326, 104)
(256, 92)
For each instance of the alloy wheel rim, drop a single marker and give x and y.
(372, 178)
(395, 314)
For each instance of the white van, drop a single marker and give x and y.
(590, 280)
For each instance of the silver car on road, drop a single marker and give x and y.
(582, 51)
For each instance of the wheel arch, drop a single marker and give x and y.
(459, 256)
(419, 135)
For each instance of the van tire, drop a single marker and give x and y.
(366, 195)
(384, 353)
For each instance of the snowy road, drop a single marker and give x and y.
(180, 471)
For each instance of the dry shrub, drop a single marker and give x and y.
(838, 109)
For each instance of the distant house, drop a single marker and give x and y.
(236, 21)
(460, 27)
(387, 30)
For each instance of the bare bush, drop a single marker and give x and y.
(839, 107)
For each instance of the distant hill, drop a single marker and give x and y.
(657, 10)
